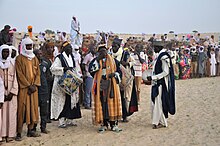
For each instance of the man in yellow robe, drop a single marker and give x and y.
(106, 98)
(28, 75)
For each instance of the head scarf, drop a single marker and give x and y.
(27, 53)
(201, 49)
(5, 63)
(29, 33)
(29, 27)
(17, 53)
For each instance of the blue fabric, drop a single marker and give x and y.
(168, 93)
(88, 88)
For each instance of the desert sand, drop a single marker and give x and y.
(196, 122)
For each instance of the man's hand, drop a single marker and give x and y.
(111, 75)
(32, 89)
(5, 98)
(149, 78)
(10, 96)
(67, 68)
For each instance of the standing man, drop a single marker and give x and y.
(128, 93)
(64, 107)
(194, 61)
(138, 55)
(2, 96)
(88, 78)
(30, 28)
(106, 99)
(4, 35)
(43, 92)
(163, 88)
(9, 110)
(48, 57)
(201, 61)
(28, 75)
(74, 31)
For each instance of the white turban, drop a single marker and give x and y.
(5, 63)
(17, 53)
(13, 48)
(27, 53)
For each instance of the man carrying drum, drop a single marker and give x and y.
(64, 107)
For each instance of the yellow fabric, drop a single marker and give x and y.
(114, 104)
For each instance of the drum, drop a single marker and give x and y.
(69, 82)
(127, 77)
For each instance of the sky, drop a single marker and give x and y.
(118, 16)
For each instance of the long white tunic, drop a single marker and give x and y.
(58, 97)
(2, 95)
(157, 110)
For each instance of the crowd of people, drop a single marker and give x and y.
(112, 74)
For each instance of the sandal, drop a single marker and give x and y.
(116, 129)
(158, 126)
(9, 139)
(102, 129)
(18, 137)
(62, 126)
(33, 134)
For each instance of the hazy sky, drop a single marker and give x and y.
(118, 16)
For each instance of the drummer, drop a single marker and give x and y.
(106, 99)
(63, 106)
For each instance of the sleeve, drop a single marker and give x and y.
(23, 82)
(141, 57)
(131, 61)
(14, 88)
(2, 91)
(165, 67)
(118, 70)
(118, 73)
(37, 76)
(56, 68)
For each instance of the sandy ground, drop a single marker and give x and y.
(197, 122)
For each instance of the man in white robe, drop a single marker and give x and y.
(2, 89)
(162, 88)
(64, 107)
(74, 32)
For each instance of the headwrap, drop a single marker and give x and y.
(29, 27)
(75, 48)
(117, 41)
(118, 54)
(5, 63)
(29, 33)
(17, 53)
(201, 49)
(27, 53)
(66, 44)
(102, 46)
